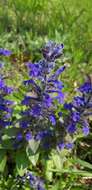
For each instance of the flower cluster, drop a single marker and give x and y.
(35, 182)
(80, 109)
(5, 105)
(44, 89)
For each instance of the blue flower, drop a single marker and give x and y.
(86, 87)
(56, 83)
(19, 136)
(5, 52)
(7, 90)
(35, 181)
(24, 124)
(39, 135)
(36, 111)
(39, 70)
(69, 145)
(68, 106)
(43, 134)
(52, 119)
(34, 70)
(78, 101)
(60, 97)
(71, 128)
(61, 145)
(1, 65)
(1, 84)
(75, 116)
(28, 136)
(57, 73)
(85, 130)
(60, 114)
(52, 51)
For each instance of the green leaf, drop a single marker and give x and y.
(33, 157)
(22, 162)
(55, 187)
(34, 145)
(74, 171)
(79, 188)
(83, 163)
(10, 132)
(58, 158)
(3, 160)
(6, 144)
(48, 173)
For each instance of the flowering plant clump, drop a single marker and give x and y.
(38, 120)
(40, 126)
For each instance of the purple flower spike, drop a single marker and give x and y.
(80, 110)
(5, 105)
(44, 93)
